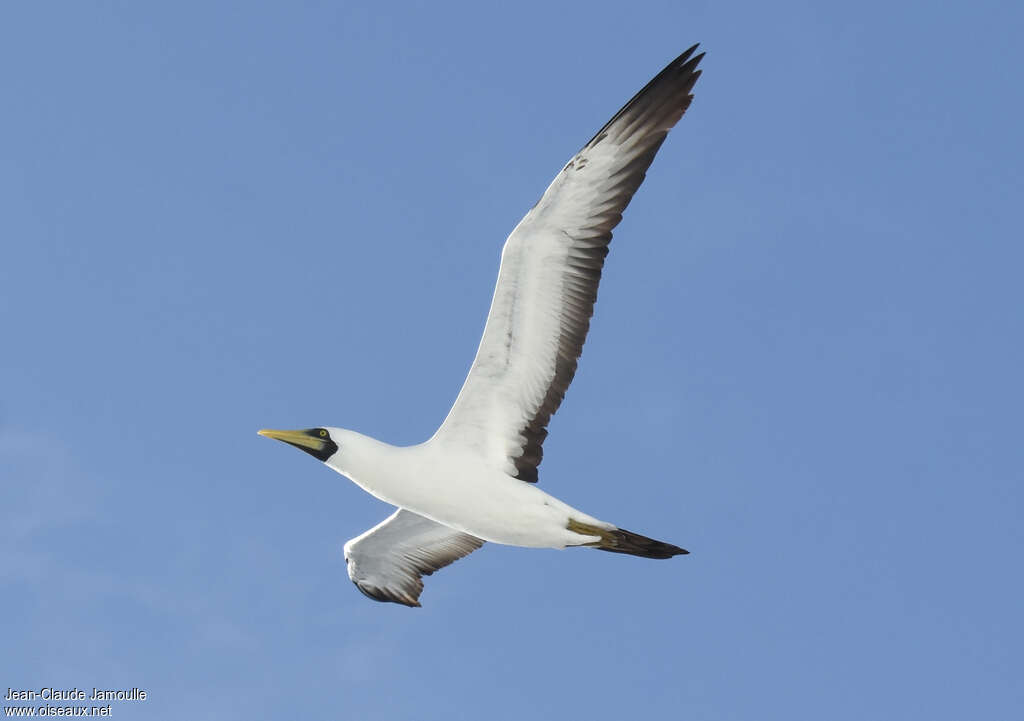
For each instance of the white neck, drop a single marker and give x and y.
(378, 468)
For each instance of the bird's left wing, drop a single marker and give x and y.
(387, 562)
(550, 268)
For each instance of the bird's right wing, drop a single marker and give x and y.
(387, 562)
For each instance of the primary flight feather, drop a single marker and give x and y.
(473, 481)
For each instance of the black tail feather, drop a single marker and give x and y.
(622, 541)
(618, 540)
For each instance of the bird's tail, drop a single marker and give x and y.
(618, 540)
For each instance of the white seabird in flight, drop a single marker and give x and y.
(473, 481)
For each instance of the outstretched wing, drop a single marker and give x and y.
(388, 562)
(550, 268)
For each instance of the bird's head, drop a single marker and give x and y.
(317, 442)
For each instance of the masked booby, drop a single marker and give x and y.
(473, 481)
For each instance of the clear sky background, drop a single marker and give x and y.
(804, 367)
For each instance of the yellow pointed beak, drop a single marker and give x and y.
(307, 440)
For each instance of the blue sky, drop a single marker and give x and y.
(804, 367)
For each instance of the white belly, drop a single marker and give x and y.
(465, 494)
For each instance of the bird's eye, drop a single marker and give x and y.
(323, 433)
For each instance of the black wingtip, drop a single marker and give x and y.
(667, 95)
(685, 61)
